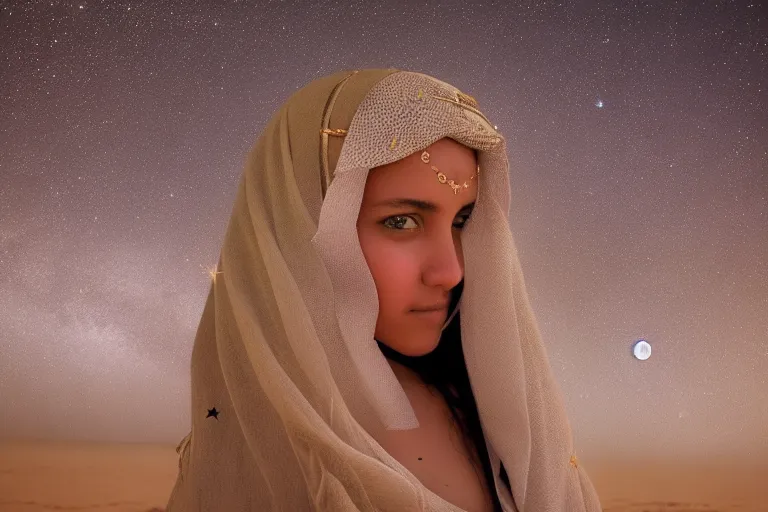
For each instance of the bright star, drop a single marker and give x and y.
(212, 272)
(599, 104)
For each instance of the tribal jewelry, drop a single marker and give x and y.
(336, 132)
(442, 178)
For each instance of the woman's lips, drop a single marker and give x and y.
(433, 315)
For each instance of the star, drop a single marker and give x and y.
(212, 272)
(213, 412)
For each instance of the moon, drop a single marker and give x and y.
(642, 350)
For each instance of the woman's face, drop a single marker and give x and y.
(409, 228)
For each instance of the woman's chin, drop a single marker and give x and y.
(419, 347)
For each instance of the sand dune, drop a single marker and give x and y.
(92, 477)
(711, 486)
(659, 506)
(47, 476)
(33, 505)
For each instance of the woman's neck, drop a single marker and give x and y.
(405, 375)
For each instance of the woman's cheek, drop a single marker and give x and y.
(395, 270)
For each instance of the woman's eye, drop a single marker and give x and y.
(460, 221)
(400, 222)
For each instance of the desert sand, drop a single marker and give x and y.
(40, 476)
(675, 486)
(75, 476)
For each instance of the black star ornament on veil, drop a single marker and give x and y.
(213, 412)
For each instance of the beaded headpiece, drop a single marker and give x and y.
(459, 99)
(442, 178)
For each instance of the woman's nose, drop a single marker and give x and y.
(444, 265)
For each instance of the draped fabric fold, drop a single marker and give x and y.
(285, 350)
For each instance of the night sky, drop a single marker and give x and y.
(638, 143)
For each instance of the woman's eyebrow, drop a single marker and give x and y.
(419, 204)
(413, 203)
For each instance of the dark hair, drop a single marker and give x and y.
(445, 370)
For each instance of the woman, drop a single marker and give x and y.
(331, 369)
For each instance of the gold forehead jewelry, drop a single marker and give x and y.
(442, 178)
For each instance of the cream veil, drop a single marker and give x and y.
(287, 380)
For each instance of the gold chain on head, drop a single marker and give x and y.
(336, 132)
(442, 178)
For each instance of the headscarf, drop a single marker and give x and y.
(287, 379)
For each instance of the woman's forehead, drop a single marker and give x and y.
(426, 178)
